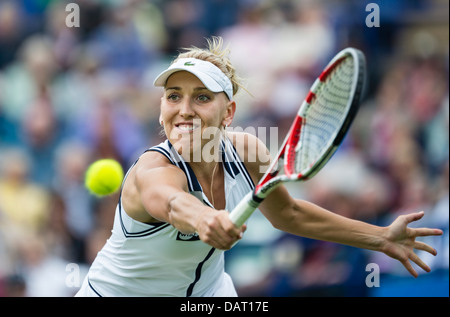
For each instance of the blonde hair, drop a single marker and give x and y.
(216, 54)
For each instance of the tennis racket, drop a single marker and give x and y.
(321, 123)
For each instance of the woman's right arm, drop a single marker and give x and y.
(163, 192)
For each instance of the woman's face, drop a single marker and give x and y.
(192, 115)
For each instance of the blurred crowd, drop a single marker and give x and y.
(71, 95)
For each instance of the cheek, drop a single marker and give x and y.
(218, 116)
(165, 112)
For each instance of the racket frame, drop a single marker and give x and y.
(271, 179)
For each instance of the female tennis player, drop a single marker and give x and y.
(172, 221)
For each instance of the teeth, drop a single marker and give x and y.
(186, 127)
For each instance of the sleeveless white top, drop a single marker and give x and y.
(155, 259)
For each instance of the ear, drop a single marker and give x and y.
(229, 114)
(161, 120)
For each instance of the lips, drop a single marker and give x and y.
(186, 126)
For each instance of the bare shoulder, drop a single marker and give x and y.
(152, 173)
(252, 151)
(151, 160)
(153, 167)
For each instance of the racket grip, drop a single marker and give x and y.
(243, 210)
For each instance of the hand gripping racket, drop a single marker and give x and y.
(317, 131)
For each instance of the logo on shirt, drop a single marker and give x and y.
(189, 64)
(187, 237)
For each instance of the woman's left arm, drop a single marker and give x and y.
(306, 219)
(309, 220)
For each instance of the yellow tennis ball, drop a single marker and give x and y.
(104, 177)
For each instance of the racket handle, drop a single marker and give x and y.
(243, 210)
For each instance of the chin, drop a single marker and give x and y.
(187, 148)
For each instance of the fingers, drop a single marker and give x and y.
(424, 247)
(423, 232)
(409, 267)
(414, 216)
(414, 258)
(219, 232)
(405, 242)
(224, 240)
(419, 262)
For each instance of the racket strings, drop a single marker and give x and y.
(326, 115)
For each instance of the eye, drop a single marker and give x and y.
(204, 98)
(173, 97)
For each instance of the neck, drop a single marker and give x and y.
(212, 183)
(205, 153)
(205, 170)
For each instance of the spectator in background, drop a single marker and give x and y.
(28, 77)
(78, 212)
(43, 270)
(65, 41)
(182, 23)
(8, 135)
(27, 106)
(118, 44)
(12, 31)
(31, 214)
(40, 134)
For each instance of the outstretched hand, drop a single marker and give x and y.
(401, 242)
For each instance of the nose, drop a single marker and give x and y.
(186, 109)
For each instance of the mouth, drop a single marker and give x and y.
(187, 127)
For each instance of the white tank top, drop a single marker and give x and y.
(155, 259)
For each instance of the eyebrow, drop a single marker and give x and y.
(179, 88)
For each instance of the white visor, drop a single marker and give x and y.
(209, 74)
